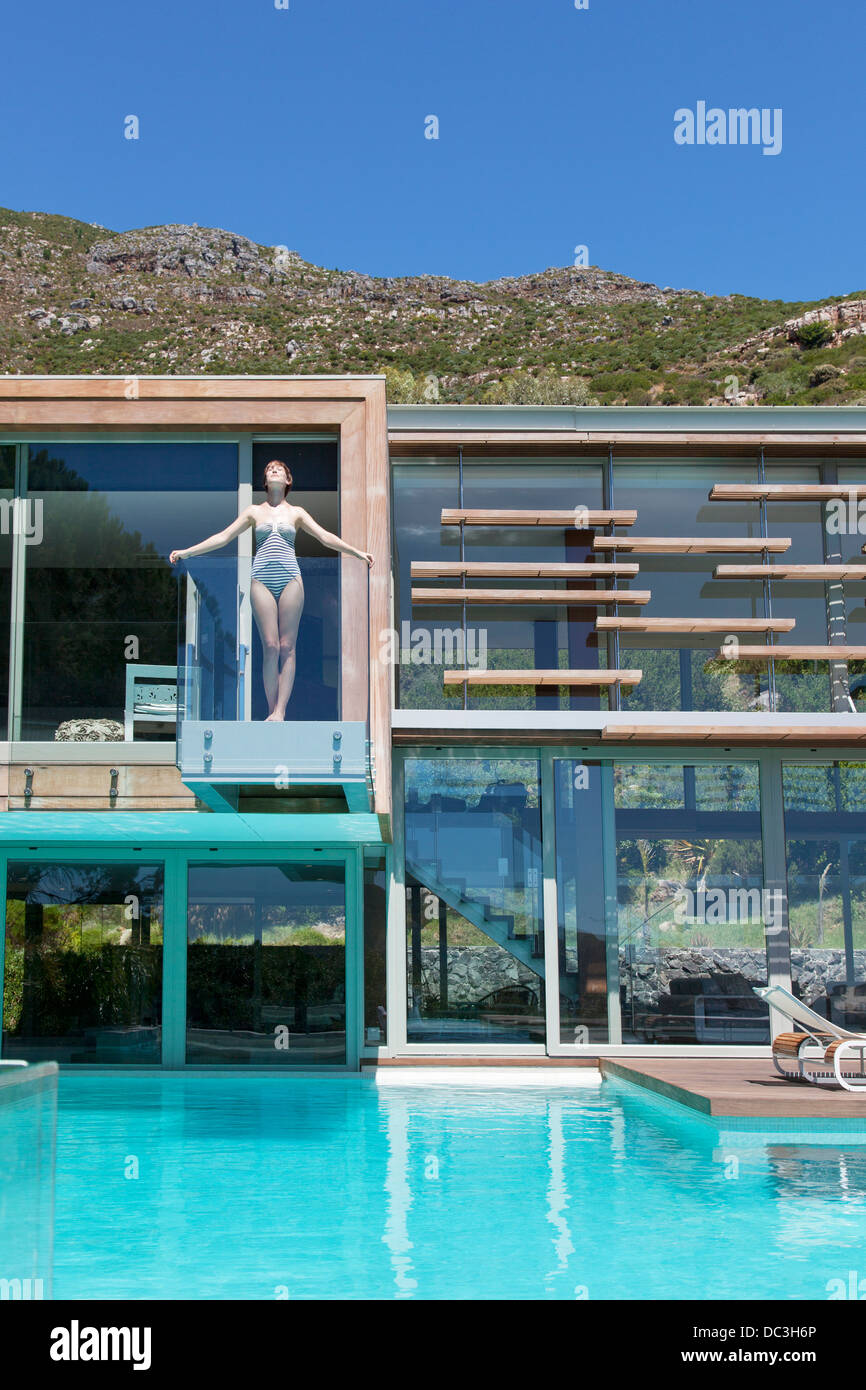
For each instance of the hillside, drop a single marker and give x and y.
(79, 298)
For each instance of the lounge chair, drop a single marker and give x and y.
(823, 1068)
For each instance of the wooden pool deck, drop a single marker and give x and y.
(733, 1087)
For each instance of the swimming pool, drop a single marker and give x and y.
(261, 1188)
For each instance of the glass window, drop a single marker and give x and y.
(825, 835)
(7, 493)
(800, 685)
(580, 897)
(531, 637)
(314, 467)
(266, 964)
(683, 671)
(375, 931)
(846, 535)
(474, 916)
(495, 637)
(101, 597)
(693, 913)
(421, 490)
(83, 972)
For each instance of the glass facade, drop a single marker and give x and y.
(266, 964)
(555, 897)
(825, 836)
(83, 962)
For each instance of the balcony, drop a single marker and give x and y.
(229, 754)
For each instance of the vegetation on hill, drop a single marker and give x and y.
(78, 298)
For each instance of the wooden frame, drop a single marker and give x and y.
(588, 517)
(692, 545)
(353, 407)
(807, 653)
(784, 492)
(584, 597)
(552, 678)
(695, 624)
(826, 572)
(505, 569)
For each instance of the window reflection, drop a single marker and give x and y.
(83, 968)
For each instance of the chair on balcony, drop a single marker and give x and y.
(151, 697)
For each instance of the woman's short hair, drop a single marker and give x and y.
(286, 470)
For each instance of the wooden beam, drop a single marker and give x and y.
(790, 572)
(505, 569)
(577, 516)
(784, 492)
(690, 545)
(784, 653)
(599, 677)
(583, 597)
(740, 733)
(694, 624)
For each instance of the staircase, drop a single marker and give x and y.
(498, 926)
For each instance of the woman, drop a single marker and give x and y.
(277, 589)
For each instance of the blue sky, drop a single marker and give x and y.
(305, 127)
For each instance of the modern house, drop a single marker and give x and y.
(573, 767)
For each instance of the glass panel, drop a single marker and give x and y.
(83, 973)
(421, 490)
(32, 536)
(533, 637)
(375, 928)
(582, 933)
(213, 664)
(100, 604)
(474, 916)
(825, 832)
(266, 964)
(800, 685)
(846, 537)
(683, 672)
(692, 911)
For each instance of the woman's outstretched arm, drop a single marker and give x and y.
(216, 542)
(328, 538)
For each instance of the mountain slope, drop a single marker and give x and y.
(78, 298)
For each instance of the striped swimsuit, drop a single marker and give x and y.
(275, 564)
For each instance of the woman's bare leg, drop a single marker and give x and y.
(268, 623)
(290, 609)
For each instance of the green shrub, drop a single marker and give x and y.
(815, 335)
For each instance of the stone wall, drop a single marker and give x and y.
(476, 971)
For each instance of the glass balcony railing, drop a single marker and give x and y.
(238, 669)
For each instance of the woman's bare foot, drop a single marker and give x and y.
(275, 718)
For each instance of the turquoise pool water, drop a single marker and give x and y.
(287, 1187)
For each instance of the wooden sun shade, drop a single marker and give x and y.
(691, 545)
(740, 733)
(504, 569)
(694, 624)
(784, 492)
(557, 597)
(790, 572)
(839, 652)
(476, 677)
(588, 517)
